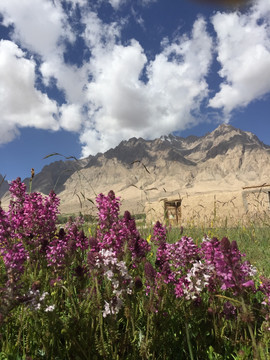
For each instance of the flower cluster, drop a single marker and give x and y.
(173, 260)
(14, 257)
(118, 234)
(35, 300)
(117, 273)
(159, 234)
(108, 210)
(265, 289)
(29, 226)
(118, 252)
(197, 278)
(229, 270)
(31, 215)
(65, 243)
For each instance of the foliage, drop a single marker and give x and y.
(116, 295)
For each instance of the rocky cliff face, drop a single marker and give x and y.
(141, 170)
(3, 186)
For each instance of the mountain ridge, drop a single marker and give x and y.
(140, 170)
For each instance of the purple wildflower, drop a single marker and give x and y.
(230, 271)
(159, 234)
(14, 258)
(229, 310)
(149, 271)
(265, 289)
(108, 209)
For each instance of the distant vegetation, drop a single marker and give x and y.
(115, 292)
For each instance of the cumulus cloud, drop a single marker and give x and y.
(243, 47)
(70, 117)
(117, 92)
(69, 78)
(21, 104)
(39, 25)
(123, 105)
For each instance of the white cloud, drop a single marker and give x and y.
(122, 105)
(70, 117)
(99, 35)
(244, 54)
(69, 78)
(119, 93)
(21, 104)
(116, 3)
(40, 25)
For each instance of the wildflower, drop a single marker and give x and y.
(265, 289)
(229, 310)
(34, 299)
(14, 257)
(159, 234)
(115, 233)
(49, 308)
(42, 297)
(150, 272)
(112, 307)
(108, 209)
(196, 280)
(230, 271)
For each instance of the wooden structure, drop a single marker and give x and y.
(172, 211)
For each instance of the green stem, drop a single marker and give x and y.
(188, 341)
(256, 355)
(100, 318)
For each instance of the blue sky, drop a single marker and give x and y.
(79, 76)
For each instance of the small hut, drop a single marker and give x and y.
(172, 211)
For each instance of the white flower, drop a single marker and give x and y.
(252, 270)
(37, 306)
(43, 296)
(109, 274)
(50, 308)
(106, 310)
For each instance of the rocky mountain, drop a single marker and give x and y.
(54, 176)
(145, 170)
(3, 186)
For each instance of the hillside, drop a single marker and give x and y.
(141, 170)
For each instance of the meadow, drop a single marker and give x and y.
(111, 290)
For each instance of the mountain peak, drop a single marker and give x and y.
(223, 129)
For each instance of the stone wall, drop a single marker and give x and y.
(215, 208)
